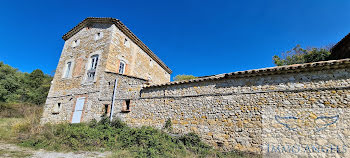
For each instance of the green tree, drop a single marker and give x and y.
(300, 55)
(16, 86)
(38, 85)
(9, 83)
(184, 77)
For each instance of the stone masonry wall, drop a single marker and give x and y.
(80, 55)
(138, 63)
(65, 90)
(127, 88)
(250, 114)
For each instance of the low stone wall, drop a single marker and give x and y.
(255, 114)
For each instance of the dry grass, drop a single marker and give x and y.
(14, 153)
(19, 120)
(6, 131)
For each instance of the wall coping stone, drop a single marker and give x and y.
(296, 68)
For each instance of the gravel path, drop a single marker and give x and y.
(11, 150)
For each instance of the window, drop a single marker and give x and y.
(94, 60)
(126, 106)
(150, 62)
(68, 69)
(98, 36)
(105, 110)
(149, 78)
(121, 67)
(93, 66)
(75, 43)
(126, 43)
(56, 109)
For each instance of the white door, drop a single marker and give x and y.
(78, 111)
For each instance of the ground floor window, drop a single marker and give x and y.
(105, 110)
(126, 106)
(56, 109)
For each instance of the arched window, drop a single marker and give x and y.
(94, 61)
(75, 43)
(122, 67)
(92, 67)
(98, 36)
(68, 69)
(126, 42)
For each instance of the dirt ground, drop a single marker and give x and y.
(11, 150)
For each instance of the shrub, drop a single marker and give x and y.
(298, 55)
(184, 77)
(193, 142)
(168, 125)
(105, 135)
(117, 136)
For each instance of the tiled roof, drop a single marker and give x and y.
(124, 29)
(322, 65)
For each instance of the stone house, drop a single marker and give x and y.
(273, 111)
(95, 49)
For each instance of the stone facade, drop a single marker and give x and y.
(288, 111)
(97, 46)
(138, 63)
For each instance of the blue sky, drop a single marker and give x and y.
(191, 37)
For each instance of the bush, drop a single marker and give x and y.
(184, 77)
(193, 142)
(168, 125)
(298, 55)
(117, 136)
(105, 135)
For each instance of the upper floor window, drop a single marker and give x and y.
(94, 61)
(75, 43)
(122, 67)
(126, 43)
(68, 68)
(150, 62)
(98, 36)
(92, 67)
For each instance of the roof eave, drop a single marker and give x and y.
(315, 66)
(124, 29)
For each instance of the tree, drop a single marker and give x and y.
(9, 83)
(16, 86)
(184, 77)
(299, 55)
(38, 85)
